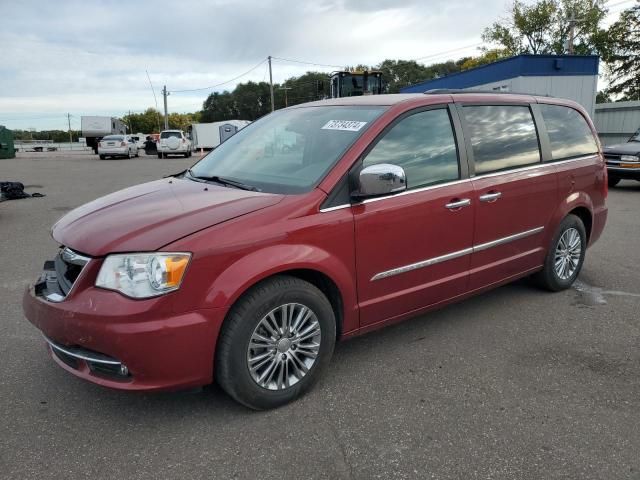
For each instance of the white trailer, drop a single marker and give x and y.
(96, 127)
(208, 136)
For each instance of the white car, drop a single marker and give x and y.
(173, 142)
(139, 138)
(117, 146)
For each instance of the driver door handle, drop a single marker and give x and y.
(490, 196)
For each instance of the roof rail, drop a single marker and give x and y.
(436, 91)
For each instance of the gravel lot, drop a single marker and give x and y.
(516, 383)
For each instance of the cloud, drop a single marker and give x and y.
(90, 57)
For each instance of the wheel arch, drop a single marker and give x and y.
(584, 214)
(579, 204)
(329, 274)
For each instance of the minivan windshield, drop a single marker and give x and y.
(288, 151)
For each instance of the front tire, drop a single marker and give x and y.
(275, 343)
(613, 182)
(102, 157)
(565, 256)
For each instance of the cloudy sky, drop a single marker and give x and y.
(91, 57)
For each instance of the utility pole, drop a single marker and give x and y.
(70, 137)
(572, 26)
(271, 85)
(286, 99)
(166, 115)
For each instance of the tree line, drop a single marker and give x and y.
(543, 27)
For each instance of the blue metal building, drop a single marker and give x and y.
(567, 76)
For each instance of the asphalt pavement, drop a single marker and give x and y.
(514, 384)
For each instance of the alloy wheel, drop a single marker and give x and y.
(568, 252)
(284, 346)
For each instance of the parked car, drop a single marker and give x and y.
(139, 139)
(173, 142)
(248, 266)
(117, 146)
(623, 160)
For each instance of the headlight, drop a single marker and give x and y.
(143, 275)
(629, 158)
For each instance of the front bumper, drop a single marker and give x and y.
(624, 173)
(108, 339)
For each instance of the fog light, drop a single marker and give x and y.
(124, 371)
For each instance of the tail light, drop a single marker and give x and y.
(100, 144)
(123, 144)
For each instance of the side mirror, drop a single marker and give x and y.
(380, 179)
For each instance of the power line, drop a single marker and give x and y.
(307, 63)
(446, 52)
(221, 83)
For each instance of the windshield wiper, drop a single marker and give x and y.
(228, 182)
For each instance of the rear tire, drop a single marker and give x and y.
(565, 256)
(102, 157)
(159, 155)
(613, 182)
(282, 360)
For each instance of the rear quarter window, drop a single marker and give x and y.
(502, 137)
(569, 133)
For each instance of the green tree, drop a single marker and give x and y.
(305, 88)
(488, 56)
(401, 73)
(149, 121)
(603, 97)
(622, 56)
(544, 27)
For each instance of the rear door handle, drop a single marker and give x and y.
(490, 197)
(456, 204)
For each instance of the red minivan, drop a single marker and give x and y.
(318, 222)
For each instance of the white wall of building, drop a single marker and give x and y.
(616, 122)
(579, 88)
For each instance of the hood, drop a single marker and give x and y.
(629, 148)
(146, 217)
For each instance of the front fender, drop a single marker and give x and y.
(229, 285)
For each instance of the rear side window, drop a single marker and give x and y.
(569, 133)
(502, 137)
(424, 145)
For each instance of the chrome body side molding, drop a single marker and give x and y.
(457, 254)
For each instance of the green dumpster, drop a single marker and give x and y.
(7, 149)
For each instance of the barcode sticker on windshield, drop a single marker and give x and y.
(348, 125)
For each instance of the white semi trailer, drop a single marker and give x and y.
(94, 128)
(207, 136)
